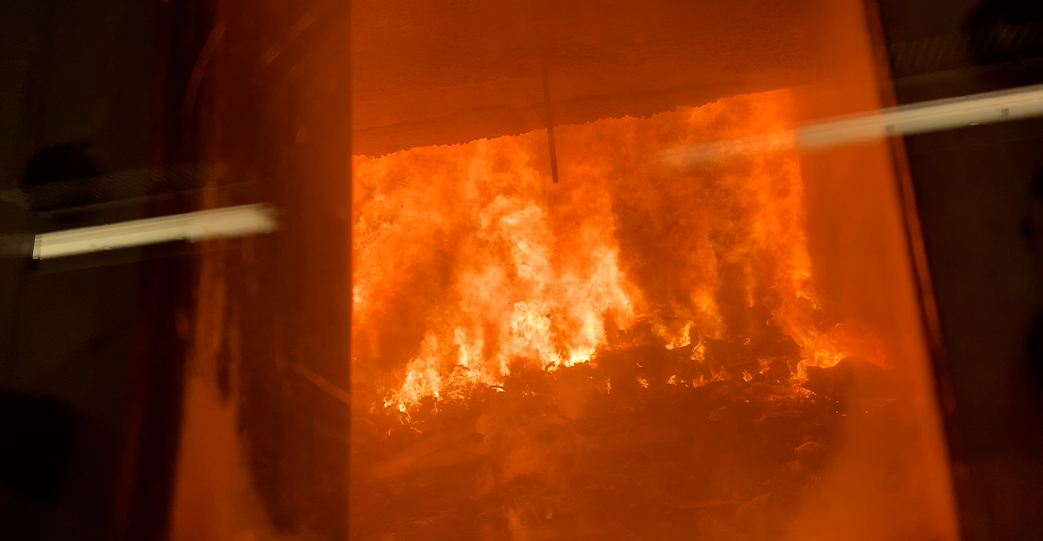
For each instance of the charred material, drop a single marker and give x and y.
(641, 443)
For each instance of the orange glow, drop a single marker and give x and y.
(472, 255)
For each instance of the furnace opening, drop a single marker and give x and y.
(642, 343)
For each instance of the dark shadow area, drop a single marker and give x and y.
(978, 192)
(64, 161)
(39, 439)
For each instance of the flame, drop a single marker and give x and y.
(471, 263)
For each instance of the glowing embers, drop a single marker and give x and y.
(643, 444)
(470, 264)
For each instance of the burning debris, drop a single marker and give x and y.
(637, 353)
(591, 452)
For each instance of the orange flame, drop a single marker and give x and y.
(470, 262)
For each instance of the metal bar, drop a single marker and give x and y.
(931, 116)
(549, 118)
(193, 226)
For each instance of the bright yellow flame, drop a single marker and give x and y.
(470, 261)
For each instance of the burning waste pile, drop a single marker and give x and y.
(608, 449)
(637, 352)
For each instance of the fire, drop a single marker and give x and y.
(470, 263)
